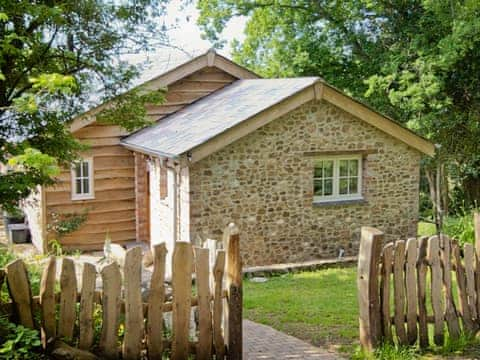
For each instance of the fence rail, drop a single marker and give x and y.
(72, 315)
(407, 285)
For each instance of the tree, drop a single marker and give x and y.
(416, 60)
(58, 58)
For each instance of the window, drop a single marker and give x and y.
(82, 180)
(337, 178)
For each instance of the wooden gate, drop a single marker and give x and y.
(407, 285)
(119, 323)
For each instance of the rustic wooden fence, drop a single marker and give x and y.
(409, 288)
(70, 315)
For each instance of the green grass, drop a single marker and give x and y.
(319, 307)
(426, 229)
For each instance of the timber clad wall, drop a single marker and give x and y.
(142, 210)
(189, 89)
(264, 183)
(114, 208)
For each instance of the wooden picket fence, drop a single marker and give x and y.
(70, 315)
(416, 279)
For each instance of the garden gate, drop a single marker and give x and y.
(417, 270)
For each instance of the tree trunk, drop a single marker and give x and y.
(434, 184)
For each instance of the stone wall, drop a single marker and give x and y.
(263, 183)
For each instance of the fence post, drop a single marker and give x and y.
(368, 290)
(233, 318)
(20, 292)
(476, 224)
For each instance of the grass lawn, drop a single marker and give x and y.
(319, 307)
(426, 229)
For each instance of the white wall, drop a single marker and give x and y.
(32, 206)
(162, 211)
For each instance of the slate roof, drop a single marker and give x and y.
(212, 115)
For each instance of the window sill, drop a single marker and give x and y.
(89, 197)
(339, 202)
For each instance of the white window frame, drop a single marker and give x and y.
(336, 196)
(91, 193)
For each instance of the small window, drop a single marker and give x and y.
(337, 178)
(82, 180)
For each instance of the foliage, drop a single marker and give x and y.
(64, 224)
(18, 342)
(460, 227)
(459, 346)
(6, 256)
(415, 60)
(388, 352)
(55, 247)
(58, 59)
(35, 276)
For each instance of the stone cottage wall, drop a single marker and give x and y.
(263, 182)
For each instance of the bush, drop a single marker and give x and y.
(6, 256)
(460, 227)
(18, 342)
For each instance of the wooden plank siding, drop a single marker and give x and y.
(190, 89)
(113, 208)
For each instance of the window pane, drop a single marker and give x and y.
(353, 189)
(318, 171)
(343, 188)
(328, 168)
(328, 187)
(78, 186)
(85, 168)
(317, 187)
(86, 186)
(353, 164)
(343, 167)
(78, 170)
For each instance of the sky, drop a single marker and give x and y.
(185, 34)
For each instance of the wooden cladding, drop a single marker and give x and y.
(190, 89)
(217, 333)
(394, 282)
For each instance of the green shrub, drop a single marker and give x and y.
(18, 342)
(460, 227)
(6, 256)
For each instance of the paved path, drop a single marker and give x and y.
(263, 342)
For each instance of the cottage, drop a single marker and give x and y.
(296, 164)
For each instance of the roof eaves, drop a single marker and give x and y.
(148, 151)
